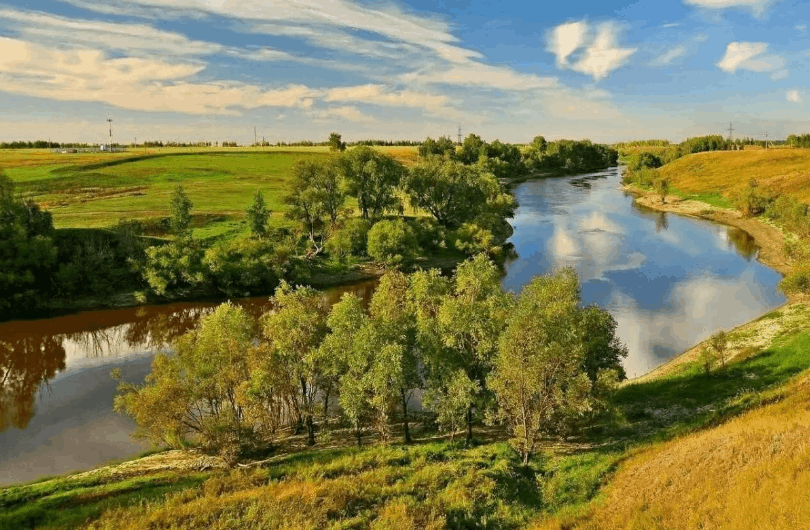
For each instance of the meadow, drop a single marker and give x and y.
(97, 190)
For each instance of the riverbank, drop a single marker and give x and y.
(771, 242)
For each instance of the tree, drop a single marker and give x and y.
(541, 373)
(198, 391)
(257, 215)
(392, 242)
(453, 193)
(293, 333)
(462, 335)
(335, 143)
(181, 206)
(661, 187)
(718, 342)
(539, 145)
(471, 149)
(27, 251)
(444, 147)
(372, 177)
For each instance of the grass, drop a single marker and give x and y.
(97, 190)
(724, 174)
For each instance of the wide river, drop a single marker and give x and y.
(669, 282)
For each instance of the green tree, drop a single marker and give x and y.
(541, 373)
(464, 334)
(718, 342)
(257, 215)
(539, 145)
(181, 206)
(444, 147)
(241, 267)
(392, 242)
(293, 332)
(198, 391)
(451, 192)
(335, 143)
(471, 149)
(174, 268)
(27, 252)
(372, 178)
(315, 197)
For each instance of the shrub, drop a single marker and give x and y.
(643, 160)
(797, 281)
(174, 267)
(348, 240)
(430, 234)
(752, 201)
(392, 242)
(242, 267)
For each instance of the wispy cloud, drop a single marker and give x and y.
(131, 83)
(749, 56)
(667, 58)
(758, 7)
(599, 52)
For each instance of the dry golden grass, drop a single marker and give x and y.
(786, 171)
(750, 473)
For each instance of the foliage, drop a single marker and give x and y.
(543, 377)
(348, 239)
(174, 268)
(661, 187)
(244, 266)
(292, 334)
(198, 391)
(718, 342)
(257, 215)
(335, 143)
(470, 150)
(570, 156)
(315, 197)
(372, 178)
(643, 160)
(700, 144)
(752, 201)
(27, 251)
(180, 207)
(392, 242)
(444, 147)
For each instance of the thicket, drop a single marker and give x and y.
(537, 364)
(569, 155)
(798, 140)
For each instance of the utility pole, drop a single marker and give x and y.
(459, 135)
(766, 139)
(111, 141)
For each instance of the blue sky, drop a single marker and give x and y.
(194, 70)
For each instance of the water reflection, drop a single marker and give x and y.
(669, 281)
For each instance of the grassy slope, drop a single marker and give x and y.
(721, 175)
(96, 190)
(708, 437)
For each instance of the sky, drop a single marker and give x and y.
(212, 70)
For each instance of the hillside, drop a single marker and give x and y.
(785, 171)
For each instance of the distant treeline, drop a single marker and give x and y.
(801, 140)
(41, 144)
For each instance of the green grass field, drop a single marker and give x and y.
(97, 190)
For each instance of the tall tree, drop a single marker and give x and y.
(293, 332)
(372, 177)
(552, 366)
(335, 143)
(258, 214)
(180, 207)
(316, 195)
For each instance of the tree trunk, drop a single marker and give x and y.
(526, 455)
(310, 430)
(359, 435)
(469, 427)
(405, 417)
(326, 403)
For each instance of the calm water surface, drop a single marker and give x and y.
(669, 281)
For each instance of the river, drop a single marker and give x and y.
(669, 281)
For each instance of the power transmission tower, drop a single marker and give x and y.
(459, 135)
(730, 132)
(766, 139)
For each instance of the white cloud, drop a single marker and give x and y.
(343, 114)
(139, 40)
(780, 74)
(667, 58)
(565, 39)
(757, 7)
(749, 56)
(131, 83)
(482, 75)
(601, 54)
(793, 96)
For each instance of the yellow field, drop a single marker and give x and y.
(785, 171)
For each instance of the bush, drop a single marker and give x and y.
(242, 267)
(643, 160)
(797, 281)
(752, 201)
(174, 267)
(430, 234)
(392, 242)
(348, 240)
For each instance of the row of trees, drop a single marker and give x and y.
(537, 363)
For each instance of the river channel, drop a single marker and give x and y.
(669, 282)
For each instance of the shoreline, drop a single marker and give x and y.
(769, 239)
